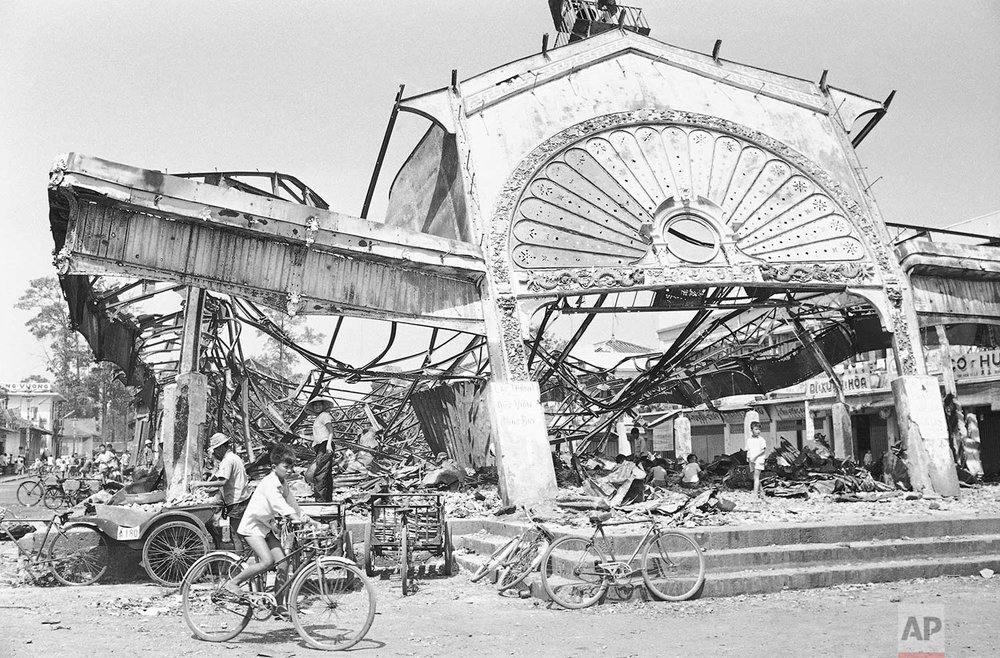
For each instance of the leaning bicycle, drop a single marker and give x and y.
(330, 601)
(31, 491)
(578, 571)
(519, 556)
(75, 553)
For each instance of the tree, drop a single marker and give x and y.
(67, 357)
(278, 355)
(91, 389)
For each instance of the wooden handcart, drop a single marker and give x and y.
(403, 523)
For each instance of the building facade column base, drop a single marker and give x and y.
(521, 442)
(924, 433)
(185, 407)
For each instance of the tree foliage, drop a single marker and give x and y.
(91, 389)
(279, 356)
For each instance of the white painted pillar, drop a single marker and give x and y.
(524, 459)
(810, 431)
(924, 432)
(682, 436)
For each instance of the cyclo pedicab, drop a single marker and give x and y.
(169, 537)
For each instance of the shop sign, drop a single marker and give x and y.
(979, 363)
(860, 378)
(27, 387)
(788, 412)
(703, 417)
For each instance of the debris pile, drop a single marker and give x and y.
(791, 472)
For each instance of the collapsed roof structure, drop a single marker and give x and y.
(612, 174)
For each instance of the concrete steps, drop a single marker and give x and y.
(763, 559)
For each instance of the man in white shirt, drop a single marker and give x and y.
(231, 476)
(104, 461)
(756, 448)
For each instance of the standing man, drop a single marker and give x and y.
(756, 448)
(231, 476)
(320, 472)
(369, 438)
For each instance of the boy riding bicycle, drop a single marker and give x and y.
(271, 500)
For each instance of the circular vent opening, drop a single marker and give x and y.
(691, 238)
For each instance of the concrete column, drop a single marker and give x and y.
(828, 429)
(682, 437)
(810, 431)
(185, 409)
(947, 368)
(751, 416)
(924, 433)
(843, 432)
(185, 404)
(621, 438)
(524, 460)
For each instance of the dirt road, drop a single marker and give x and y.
(456, 618)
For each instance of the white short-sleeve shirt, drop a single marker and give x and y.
(235, 473)
(271, 498)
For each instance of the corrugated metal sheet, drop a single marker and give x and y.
(114, 239)
(454, 419)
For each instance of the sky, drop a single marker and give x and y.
(306, 88)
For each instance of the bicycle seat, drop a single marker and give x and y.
(597, 518)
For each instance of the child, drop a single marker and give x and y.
(756, 447)
(270, 500)
(690, 478)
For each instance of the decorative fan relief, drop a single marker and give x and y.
(612, 198)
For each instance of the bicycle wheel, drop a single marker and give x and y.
(673, 566)
(331, 603)
(571, 572)
(208, 616)
(404, 560)
(493, 560)
(520, 563)
(30, 493)
(53, 498)
(79, 555)
(171, 549)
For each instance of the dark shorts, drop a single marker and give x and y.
(235, 513)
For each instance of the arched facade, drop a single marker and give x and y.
(664, 199)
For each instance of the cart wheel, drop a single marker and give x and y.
(171, 549)
(370, 550)
(53, 497)
(30, 493)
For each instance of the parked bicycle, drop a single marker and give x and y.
(330, 601)
(577, 571)
(30, 492)
(75, 554)
(519, 556)
(67, 492)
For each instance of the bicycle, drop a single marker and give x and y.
(330, 601)
(57, 495)
(31, 492)
(76, 555)
(518, 557)
(576, 571)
